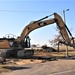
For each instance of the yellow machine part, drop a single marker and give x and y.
(4, 44)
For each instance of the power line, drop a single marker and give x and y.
(24, 11)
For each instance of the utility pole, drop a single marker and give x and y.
(64, 15)
(65, 23)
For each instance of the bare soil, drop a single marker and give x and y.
(19, 62)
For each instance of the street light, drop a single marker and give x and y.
(65, 23)
(64, 14)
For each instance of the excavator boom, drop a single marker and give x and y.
(38, 24)
(33, 26)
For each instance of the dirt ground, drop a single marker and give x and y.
(50, 55)
(15, 62)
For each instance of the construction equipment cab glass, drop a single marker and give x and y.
(26, 42)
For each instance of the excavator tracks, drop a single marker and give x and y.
(17, 53)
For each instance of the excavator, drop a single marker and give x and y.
(19, 47)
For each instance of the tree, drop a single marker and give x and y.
(56, 39)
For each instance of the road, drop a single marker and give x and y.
(69, 72)
(59, 67)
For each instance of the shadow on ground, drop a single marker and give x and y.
(15, 67)
(49, 58)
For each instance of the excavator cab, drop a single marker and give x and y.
(26, 42)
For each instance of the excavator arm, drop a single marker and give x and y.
(40, 23)
(63, 29)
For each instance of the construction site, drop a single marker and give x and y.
(20, 55)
